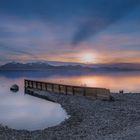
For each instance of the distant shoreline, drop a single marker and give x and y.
(86, 69)
(44, 66)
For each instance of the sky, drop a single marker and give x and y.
(85, 31)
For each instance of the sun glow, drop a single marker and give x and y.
(88, 58)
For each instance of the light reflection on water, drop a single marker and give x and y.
(129, 81)
(23, 111)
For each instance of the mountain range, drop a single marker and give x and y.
(40, 66)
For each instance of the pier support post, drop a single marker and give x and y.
(59, 88)
(84, 90)
(52, 87)
(66, 90)
(97, 93)
(73, 91)
(46, 87)
(40, 85)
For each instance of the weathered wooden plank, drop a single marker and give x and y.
(92, 92)
(56, 88)
(69, 90)
(79, 91)
(62, 89)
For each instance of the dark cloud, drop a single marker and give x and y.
(42, 9)
(96, 14)
(64, 10)
(102, 17)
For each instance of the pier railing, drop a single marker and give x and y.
(93, 92)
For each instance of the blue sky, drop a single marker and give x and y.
(62, 30)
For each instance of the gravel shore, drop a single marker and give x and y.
(89, 120)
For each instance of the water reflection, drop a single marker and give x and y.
(129, 82)
(21, 111)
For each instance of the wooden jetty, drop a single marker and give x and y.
(92, 92)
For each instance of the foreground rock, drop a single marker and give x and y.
(89, 120)
(14, 88)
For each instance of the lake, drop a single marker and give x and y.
(115, 81)
(21, 111)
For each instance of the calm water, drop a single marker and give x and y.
(21, 111)
(128, 81)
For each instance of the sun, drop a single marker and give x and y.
(88, 58)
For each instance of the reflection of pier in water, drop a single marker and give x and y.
(92, 92)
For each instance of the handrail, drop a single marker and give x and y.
(94, 92)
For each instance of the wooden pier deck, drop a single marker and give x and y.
(92, 92)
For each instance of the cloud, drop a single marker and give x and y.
(15, 50)
(103, 17)
(61, 30)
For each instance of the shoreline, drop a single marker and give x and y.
(89, 119)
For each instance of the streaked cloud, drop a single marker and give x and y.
(64, 30)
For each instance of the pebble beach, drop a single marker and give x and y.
(89, 119)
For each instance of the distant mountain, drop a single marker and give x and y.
(36, 66)
(27, 66)
(39, 66)
(118, 66)
(57, 63)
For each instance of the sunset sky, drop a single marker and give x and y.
(87, 31)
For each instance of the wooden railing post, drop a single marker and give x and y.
(52, 87)
(27, 83)
(31, 84)
(35, 84)
(66, 90)
(41, 85)
(46, 86)
(73, 91)
(99, 93)
(84, 90)
(59, 88)
(25, 86)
